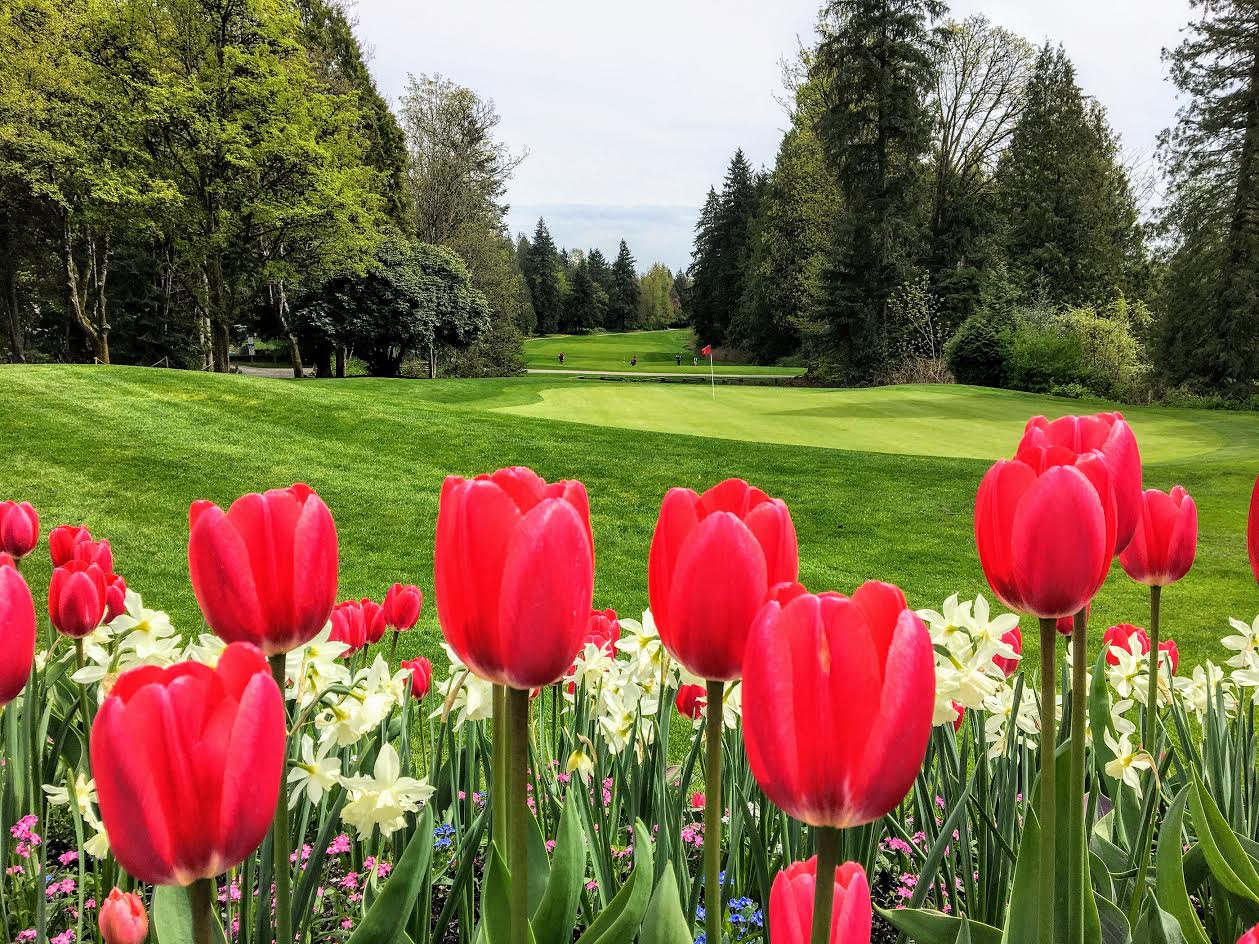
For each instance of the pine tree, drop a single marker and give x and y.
(600, 271)
(542, 274)
(1070, 219)
(623, 292)
(722, 249)
(581, 305)
(877, 59)
(1210, 332)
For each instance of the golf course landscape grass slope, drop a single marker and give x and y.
(657, 353)
(881, 482)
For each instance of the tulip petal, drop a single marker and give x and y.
(679, 514)
(223, 577)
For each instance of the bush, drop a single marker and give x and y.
(980, 351)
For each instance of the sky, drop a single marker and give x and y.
(629, 111)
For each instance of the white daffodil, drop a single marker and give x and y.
(84, 790)
(383, 799)
(146, 633)
(474, 697)
(1128, 676)
(314, 774)
(98, 845)
(315, 667)
(582, 764)
(1245, 644)
(1128, 763)
(206, 649)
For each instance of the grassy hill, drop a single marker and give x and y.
(880, 482)
(656, 352)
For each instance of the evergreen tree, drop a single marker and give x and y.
(623, 292)
(542, 274)
(1070, 219)
(876, 57)
(581, 306)
(1210, 331)
(600, 271)
(722, 250)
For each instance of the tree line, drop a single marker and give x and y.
(947, 198)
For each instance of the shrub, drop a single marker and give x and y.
(979, 353)
(1063, 349)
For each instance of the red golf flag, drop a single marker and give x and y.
(708, 349)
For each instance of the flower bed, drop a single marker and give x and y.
(574, 776)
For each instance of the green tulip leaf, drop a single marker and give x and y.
(1156, 926)
(621, 919)
(665, 922)
(496, 901)
(391, 910)
(1225, 856)
(556, 913)
(933, 927)
(539, 865)
(1114, 923)
(1169, 875)
(172, 916)
(1021, 916)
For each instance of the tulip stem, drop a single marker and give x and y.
(201, 894)
(1149, 733)
(1078, 868)
(500, 788)
(280, 831)
(1048, 800)
(714, 903)
(518, 841)
(83, 707)
(828, 843)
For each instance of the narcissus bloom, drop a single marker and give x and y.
(265, 571)
(791, 905)
(187, 762)
(421, 670)
(713, 559)
(1061, 441)
(1044, 540)
(838, 698)
(514, 574)
(19, 528)
(63, 539)
(1165, 541)
(122, 918)
(357, 623)
(691, 700)
(402, 606)
(17, 634)
(77, 597)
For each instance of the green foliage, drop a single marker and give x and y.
(979, 353)
(657, 303)
(541, 270)
(623, 291)
(721, 253)
(1095, 350)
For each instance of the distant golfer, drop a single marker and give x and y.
(634, 361)
(677, 359)
(561, 358)
(694, 361)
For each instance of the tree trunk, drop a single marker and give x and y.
(219, 349)
(14, 319)
(88, 288)
(323, 359)
(295, 354)
(341, 360)
(432, 362)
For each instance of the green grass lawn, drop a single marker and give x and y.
(656, 352)
(880, 482)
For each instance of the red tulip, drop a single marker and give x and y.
(1163, 546)
(1252, 530)
(1059, 441)
(514, 573)
(1066, 624)
(187, 761)
(265, 571)
(17, 634)
(421, 670)
(838, 697)
(7, 561)
(713, 559)
(1043, 539)
(603, 630)
(115, 598)
(357, 623)
(19, 528)
(1250, 937)
(62, 541)
(791, 905)
(1134, 639)
(95, 552)
(1168, 647)
(961, 715)
(691, 700)
(1009, 666)
(698, 800)
(402, 606)
(77, 597)
(122, 919)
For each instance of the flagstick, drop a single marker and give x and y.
(712, 378)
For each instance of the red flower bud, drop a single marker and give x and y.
(1163, 546)
(421, 670)
(265, 571)
(357, 624)
(1168, 646)
(188, 762)
(62, 541)
(19, 528)
(95, 552)
(122, 919)
(1126, 636)
(17, 634)
(838, 698)
(115, 598)
(1252, 530)
(714, 558)
(77, 598)
(1009, 666)
(402, 606)
(791, 905)
(691, 700)
(514, 574)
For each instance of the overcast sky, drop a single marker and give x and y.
(629, 111)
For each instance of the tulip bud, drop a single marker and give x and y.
(19, 528)
(421, 670)
(791, 905)
(1008, 666)
(122, 919)
(1252, 531)
(1250, 937)
(77, 598)
(1133, 639)
(115, 598)
(63, 539)
(17, 634)
(1165, 541)
(1168, 648)
(402, 607)
(98, 553)
(691, 700)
